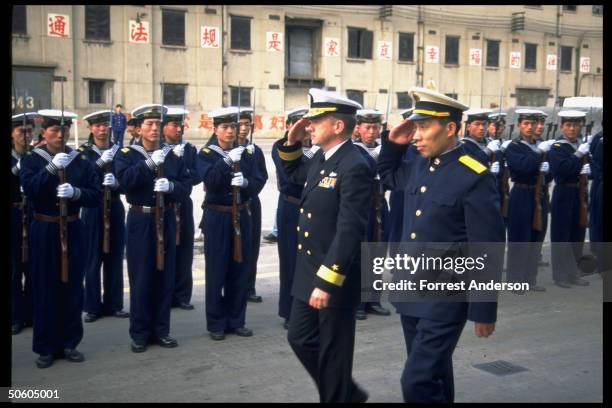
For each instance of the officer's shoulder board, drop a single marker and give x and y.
(472, 163)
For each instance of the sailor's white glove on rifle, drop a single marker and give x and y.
(250, 148)
(544, 167)
(179, 150)
(60, 160)
(65, 190)
(235, 154)
(495, 167)
(107, 156)
(494, 145)
(162, 185)
(158, 157)
(504, 145)
(545, 146)
(584, 149)
(238, 180)
(586, 169)
(110, 180)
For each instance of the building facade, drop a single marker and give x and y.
(203, 57)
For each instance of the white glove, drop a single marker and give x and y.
(494, 145)
(161, 185)
(238, 180)
(504, 145)
(544, 167)
(495, 167)
(584, 148)
(107, 156)
(109, 180)
(376, 152)
(65, 191)
(586, 169)
(250, 148)
(590, 138)
(179, 150)
(235, 154)
(546, 145)
(158, 157)
(60, 160)
(18, 165)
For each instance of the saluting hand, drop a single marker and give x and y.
(403, 133)
(319, 299)
(298, 132)
(483, 329)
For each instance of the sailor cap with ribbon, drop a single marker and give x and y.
(17, 120)
(368, 116)
(224, 115)
(473, 114)
(150, 111)
(295, 114)
(53, 117)
(572, 116)
(103, 116)
(175, 115)
(431, 104)
(325, 102)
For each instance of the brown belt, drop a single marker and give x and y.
(226, 208)
(149, 210)
(292, 199)
(520, 185)
(17, 205)
(574, 185)
(48, 218)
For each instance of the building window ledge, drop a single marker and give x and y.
(531, 70)
(174, 47)
(406, 62)
(451, 65)
(21, 36)
(243, 52)
(357, 60)
(100, 42)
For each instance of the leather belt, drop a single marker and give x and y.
(17, 205)
(292, 199)
(49, 218)
(150, 210)
(520, 185)
(226, 208)
(574, 185)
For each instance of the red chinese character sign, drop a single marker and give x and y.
(475, 56)
(384, 50)
(139, 32)
(274, 41)
(331, 47)
(515, 59)
(58, 25)
(551, 62)
(206, 123)
(432, 54)
(585, 64)
(209, 37)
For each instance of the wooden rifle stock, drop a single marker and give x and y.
(63, 226)
(236, 218)
(537, 209)
(106, 214)
(159, 222)
(177, 218)
(582, 191)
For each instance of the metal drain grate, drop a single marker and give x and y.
(500, 368)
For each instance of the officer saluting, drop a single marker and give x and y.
(106, 255)
(58, 299)
(227, 224)
(150, 272)
(449, 197)
(568, 161)
(369, 128)
(21, 284)
(173, 126)
(288, 214)
(334, 211)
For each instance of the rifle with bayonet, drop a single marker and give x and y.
(24, 201)
(63, 202)
(583, 182)
(159, 203)
(505, 172)
(106, 203)
(236, 198)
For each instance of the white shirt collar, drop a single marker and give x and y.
(330, 152)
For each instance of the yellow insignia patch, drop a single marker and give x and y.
(80, 149)
(335, 267)
(125, 149)
(206, 150)
(557, 145)
(472, 163)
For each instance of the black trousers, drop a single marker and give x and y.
(323, 341)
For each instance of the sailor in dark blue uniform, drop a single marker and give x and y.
(173, 134)
(132, 124)
(245, 138)
(449, 197)
(539, 138)
(58, 299)
(497, 125)
(568, 162)
(226, 271)
(110, 258)
(596, 203)
(138, 169)
(527, 164)
(369, 129)
(21, 285)
(335, 206)
(287, 216)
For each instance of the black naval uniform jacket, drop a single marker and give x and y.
(335, 205)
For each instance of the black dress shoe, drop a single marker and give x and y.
(138, 347)
(359, 395)
(91, 317)
(536, 288)
(254, 298)
(186, 306)
(121, 314)
(243, 332)
(271, 238)
(16, 328)
(73, 355)
(167, 342)
(378, 310)
(44, 361)
(580, 282)
(217, 335)
(562, 284)
(286, 324)
(361, 315)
